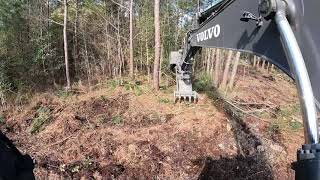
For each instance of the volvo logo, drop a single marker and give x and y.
(209, 33)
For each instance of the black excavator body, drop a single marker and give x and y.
(285, 33)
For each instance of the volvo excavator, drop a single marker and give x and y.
(284, 32)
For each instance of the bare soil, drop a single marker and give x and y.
(270, 106)
(117, 134)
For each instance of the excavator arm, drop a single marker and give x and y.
(285, 33)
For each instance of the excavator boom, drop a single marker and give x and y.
(285, 33)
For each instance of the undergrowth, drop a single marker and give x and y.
(2, 119)
(117, 120)
(164, 100)
(4, 90)
(202, 83)
(62, 93)
(113, 84)
(287, 119)
(133, 86)
(43, 117)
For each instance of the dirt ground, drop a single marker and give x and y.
(270, 106)
(121, 134)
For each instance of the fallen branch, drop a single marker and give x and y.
(254, 104)
(244, 112)
(61, 141)
(262, 110)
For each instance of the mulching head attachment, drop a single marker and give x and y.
(184, 90)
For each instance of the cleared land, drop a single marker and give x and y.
(129, 132)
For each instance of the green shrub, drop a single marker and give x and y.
(295, 125)
(203, 83)
(2, 119)
(164, 100)
(133, 86)
(64, 93)
(138, 90)
(113, 84)
(274, 128)
(117, 120)
(42, 119)
(4, 90)
(287, 120)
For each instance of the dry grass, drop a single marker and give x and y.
(117, 133)
(125, 130)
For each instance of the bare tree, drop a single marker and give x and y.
(254, 61)
(147, 56)
(66, 58)
(226, 70)
(217, 67)
(75, 37)
(213, 54)
(156, 69)
(263, 64)
(209, 59)
(234, 70)
(258, 62)
(131, 40)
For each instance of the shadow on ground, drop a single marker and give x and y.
(249, 164)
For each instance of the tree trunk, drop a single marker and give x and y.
(234, 70)
(161, 61)
(147, 56)
(148, 65)
(213, 52)
(120, 58)
(226, 70)
(208, 60)
(257, 62)
(217, 68)
(66, 58)
(157, 45)
(87, 61)
(263, 65)
(131, 41)
(75, 37)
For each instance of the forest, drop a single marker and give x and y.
(46, 44)
(86, 90)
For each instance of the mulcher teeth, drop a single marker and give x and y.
(190, 97)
